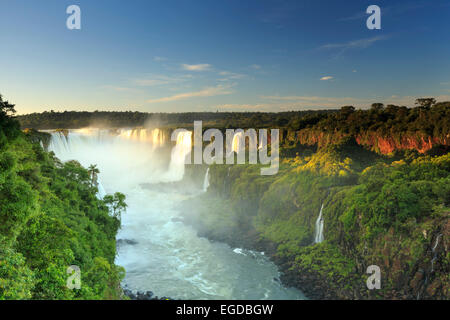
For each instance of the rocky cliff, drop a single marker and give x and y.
(381, 143)
(392, 214)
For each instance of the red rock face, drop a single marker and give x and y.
(376, 142)
(387, 145)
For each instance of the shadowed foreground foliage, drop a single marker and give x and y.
(50, 218)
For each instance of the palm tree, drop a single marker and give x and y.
(93, 172)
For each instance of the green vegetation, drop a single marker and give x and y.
(430, 118)
(81, 119)
(382, 210)
(50, 218)
(382, 175)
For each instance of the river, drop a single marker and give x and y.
(159, 253)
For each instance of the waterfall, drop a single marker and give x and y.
(319, 227)
(157, 138)
(101, 190)
(128, 165)
(433, 260)
(58, 143)
(206, 181)
(137, 157)
(433, 250)
(238, 142)
(179, 153)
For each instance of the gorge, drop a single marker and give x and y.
(158, 252)
(338, 204)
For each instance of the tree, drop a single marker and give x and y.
(9, 126)
(93, 172)
(6, 107)
(347, 109)
(425, 102)
(377, 106)
(116, 204)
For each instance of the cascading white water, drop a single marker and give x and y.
(433, 250)
(153, 136)
(157, 138)
(179, 153)
(101, 190)
(319, 227)
(166, 256)
(127, 154)
(58, 143)
(206, 181)
(238, 144)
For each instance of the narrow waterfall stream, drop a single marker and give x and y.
(206, 181)
(319, 227)
(158, 252)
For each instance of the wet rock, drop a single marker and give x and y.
(148, 295)
(141, 295)
(126, 241)
(129, 294)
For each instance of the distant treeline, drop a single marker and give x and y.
(80, 119)
(429, 117)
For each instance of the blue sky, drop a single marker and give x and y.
(226, 55)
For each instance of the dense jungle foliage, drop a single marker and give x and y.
(385, 205)
(50, 219)
(389, 211)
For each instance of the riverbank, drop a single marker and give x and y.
(141, 295)
(376, 211)
(240, 236)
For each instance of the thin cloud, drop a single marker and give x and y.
(119, 89)
(243, 107)
(360, 43)
(350, 45)
(157, 80)
(227, 76)
(207, 92)
(196, 67)
(159, 59)
(356, 16)
(326, 78)
(255, 66)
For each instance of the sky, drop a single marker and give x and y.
(222, 55)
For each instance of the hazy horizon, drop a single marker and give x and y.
(267, 56)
